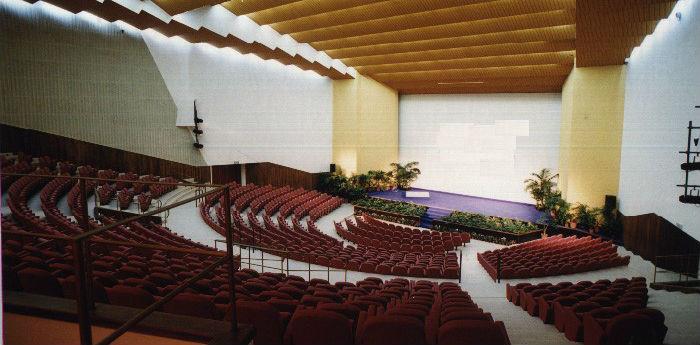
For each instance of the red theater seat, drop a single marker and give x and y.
(392, 330)
(316, 327)
(473, 332)
(270, 324)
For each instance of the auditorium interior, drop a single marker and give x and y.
(350, 172)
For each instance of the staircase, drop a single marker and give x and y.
(426, 221)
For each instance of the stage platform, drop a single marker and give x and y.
(443, 203)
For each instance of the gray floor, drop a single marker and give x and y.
(682, 311)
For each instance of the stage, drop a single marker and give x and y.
(441, 204)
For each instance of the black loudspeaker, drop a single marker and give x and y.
(610, 204)
(332, 167)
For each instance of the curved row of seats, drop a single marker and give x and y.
(597, 313)
(458, 238)
(554, 255)
(308, 245)
(386, 236)
(280, 307)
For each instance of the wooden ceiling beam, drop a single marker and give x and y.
(112, 11)
(566, 57)
(607, 32)
(173, 7)
(241, 7)
(494, 10)
(473, 74)
(469, 28)
(467, 52)
(272, 11)
(367, 12)
(547, 33)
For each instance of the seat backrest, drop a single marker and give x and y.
(393, 330)
(314, 327)
(190, 304)
(266, 320)
(38, 281)
(348, 310)
(129, 296)
(471, 332)
(626, 328)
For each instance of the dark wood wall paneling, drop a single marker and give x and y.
(278, 175)
(223, 174)
(14, 139)
(651, 236)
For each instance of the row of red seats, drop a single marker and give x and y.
(597, 313)
(325, 208)
(242, 202)
(404, 239)
(315, 247)
(553, 255)
(273, 206)
(459, 239)
(268, 300)
(258, 203)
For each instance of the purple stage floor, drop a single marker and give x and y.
(449, 201)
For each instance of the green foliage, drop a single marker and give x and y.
(587, 217)
(356, 186)
(398, 207)
(540, 186)
(559, 208)
(404, 175)
(338, 184)
(493, 223)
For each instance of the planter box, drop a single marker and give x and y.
(388, 216)
(475, 232)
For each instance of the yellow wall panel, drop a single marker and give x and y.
(365, 125)
(593, 100)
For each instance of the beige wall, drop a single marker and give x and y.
(365, 125)
(89, 81)
(593, 100)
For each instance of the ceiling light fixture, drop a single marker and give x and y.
(460, 82)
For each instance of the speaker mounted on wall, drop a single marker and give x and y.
(197, 132)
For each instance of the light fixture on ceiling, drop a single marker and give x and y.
(459, 82)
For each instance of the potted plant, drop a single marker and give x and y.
(587, 218)
(540, 185)
(404, 175)
(560, 209)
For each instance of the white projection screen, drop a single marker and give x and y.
(480, 145)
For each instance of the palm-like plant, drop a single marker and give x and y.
(404, 175)
(540, 186)
(587, 217)
(379, 179)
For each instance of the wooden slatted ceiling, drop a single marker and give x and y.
(607, 31)
(422, 46)
(174, 7)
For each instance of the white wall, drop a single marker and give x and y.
(662, 88)
(481, 145)
(254, 110)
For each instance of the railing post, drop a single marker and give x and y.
(498, 269)
(81, 294)
(460, 265)
(84, 218)
(229, 260)
(329, 274)
(262, 261)
(308, 260)
(287, 250)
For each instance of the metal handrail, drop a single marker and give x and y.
(82, 256)
(681, 272)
